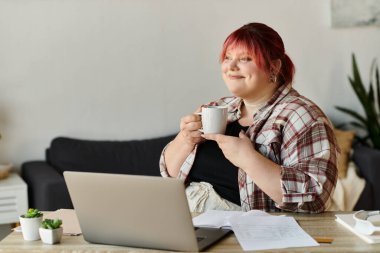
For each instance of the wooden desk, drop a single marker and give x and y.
(314, 224)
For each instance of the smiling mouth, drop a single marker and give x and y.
(233, 77)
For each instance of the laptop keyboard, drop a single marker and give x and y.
(200, 238)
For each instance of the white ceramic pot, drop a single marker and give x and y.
(51, 236)
(29, 227)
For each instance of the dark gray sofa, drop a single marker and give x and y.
(46, 186)
(368, 162)
(47, 189)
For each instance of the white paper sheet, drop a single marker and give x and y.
(269, 232)
(219, 219)
(214, 218)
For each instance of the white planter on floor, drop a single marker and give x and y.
(51, 236)
(29, 227)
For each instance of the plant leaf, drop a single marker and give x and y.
(371, 96)
(356, 86)
(357, 83)
(377, 83)
(341, 125)
(358, 125)
(352, 114)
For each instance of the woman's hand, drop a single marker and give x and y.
(183, 144)
(238, 150)
(189, 129)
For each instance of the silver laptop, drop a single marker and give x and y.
(136, 211)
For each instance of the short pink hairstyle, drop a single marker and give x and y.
(264, 45)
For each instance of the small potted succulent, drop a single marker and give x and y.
(51, 231)
(30, 223)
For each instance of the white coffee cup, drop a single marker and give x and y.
(214, 119)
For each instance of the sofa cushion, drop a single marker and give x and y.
(138, 157)
(344, 139)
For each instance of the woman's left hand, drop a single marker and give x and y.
(238, 150)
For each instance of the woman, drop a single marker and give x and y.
(279, 151)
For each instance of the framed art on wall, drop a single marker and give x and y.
(353, 13)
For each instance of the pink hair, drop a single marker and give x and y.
(265, 45)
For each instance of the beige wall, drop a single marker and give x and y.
(124, 69)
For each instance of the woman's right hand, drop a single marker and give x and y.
(180, 148)
(189, 128)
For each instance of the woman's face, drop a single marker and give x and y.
(241, 75)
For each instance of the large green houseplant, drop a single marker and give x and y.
(367, 153)
(370, 101)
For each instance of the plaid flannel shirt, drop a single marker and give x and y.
(293, 132)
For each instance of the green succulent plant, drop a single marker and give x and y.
(370, 101)
(51, 224)
(32, 213)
